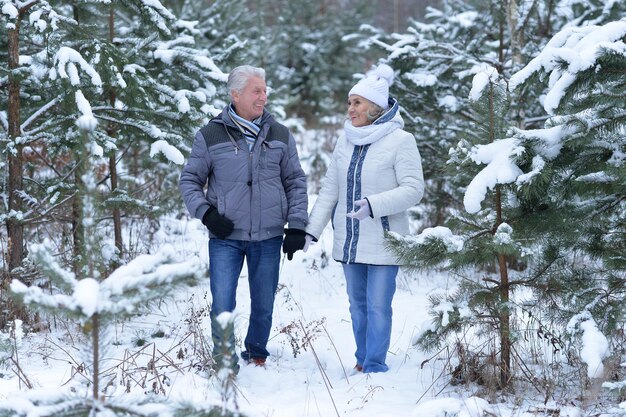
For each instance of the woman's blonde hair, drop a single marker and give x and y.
(374, 112)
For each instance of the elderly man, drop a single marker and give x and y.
(255, 186)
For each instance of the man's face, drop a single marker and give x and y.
(249, 103)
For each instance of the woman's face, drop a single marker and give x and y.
(357, 110)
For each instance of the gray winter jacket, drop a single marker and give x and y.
(259, 191)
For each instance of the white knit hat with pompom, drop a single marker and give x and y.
(375, 85)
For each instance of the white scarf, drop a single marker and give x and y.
(366, 135)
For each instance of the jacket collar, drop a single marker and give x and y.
(265, 119)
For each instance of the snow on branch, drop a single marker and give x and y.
(10, 10)
(42, 111)
(85, 122)
(158, 14)
(484, 75)
(127, 289)
(169, 151)
(66, 59)
(500, 169)
(452, 242)
(572, 50)
(548, 141)
(169, 52)
(595, 345)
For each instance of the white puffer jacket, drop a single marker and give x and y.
(387, 171)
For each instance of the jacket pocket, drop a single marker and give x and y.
(284, 204)
(270, 157)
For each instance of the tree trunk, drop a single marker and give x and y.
(505, 323)
(15, 228)
(78, 227)
(504, 316)
(117, 215)
(95, 339)
(503, 305)
(516, 36)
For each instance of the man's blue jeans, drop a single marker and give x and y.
(370, 292)
(226, 259)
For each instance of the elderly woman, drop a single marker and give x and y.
(375, 175)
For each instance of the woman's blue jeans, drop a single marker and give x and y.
(226, 259)
(370, 292)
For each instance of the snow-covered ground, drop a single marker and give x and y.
(305, 375)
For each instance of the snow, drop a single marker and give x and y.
(66, 59)
(485, 74)
(87, 293)
(294, 381)
(182, 101)
(449, 102)
(452, 242)
(156, 4)
(550, 140)
(169, 151)
(87, 121)
(445, 407)
(35, 19)
(465, 19)
(595, 346)
(500, 169)
(576, 49)
(165, 55)
(10, 10)
(421, 78)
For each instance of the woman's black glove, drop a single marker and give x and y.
(217, 224)
(294, 241)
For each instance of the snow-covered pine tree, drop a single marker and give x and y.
(30, 115)
(310, 62)
(158, 89)
(435, 61)
(95, 302)
(560, 196)
(478, 241)
(134, 67)
(574, 171)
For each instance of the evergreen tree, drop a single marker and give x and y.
(574, 171)
(29, 116)
(585, 13)
(309, 61)
(545, 197)
(96, 301)
(483, 237)
(435, 61)
(132, 66)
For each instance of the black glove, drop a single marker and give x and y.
(217, 224)
(294, 241)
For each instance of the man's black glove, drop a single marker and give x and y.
(294, 241)
(217, 224)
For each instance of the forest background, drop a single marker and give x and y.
(518, 109)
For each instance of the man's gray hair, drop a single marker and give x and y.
(239, 76)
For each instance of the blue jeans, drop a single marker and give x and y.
(370, 292)
(225, 263)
